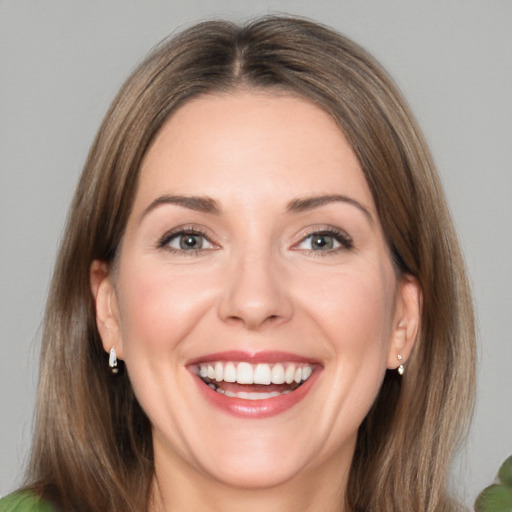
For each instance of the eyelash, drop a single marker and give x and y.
(344, 239)
(163, 243)
(341, 237)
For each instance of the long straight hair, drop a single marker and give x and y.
(92, 447)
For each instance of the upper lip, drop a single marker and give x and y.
(254, 357)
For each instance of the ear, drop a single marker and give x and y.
(406, 322)
(107, 313)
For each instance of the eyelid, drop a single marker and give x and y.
(341, 236)
(163, 241)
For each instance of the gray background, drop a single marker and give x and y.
(61, 62)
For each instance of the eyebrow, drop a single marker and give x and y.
(196, 203)
(208, 205)
(310, 203)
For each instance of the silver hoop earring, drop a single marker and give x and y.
(112, 360)
(401, 368)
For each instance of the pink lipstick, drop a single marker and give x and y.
(254, 385)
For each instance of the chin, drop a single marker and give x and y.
(259, 473)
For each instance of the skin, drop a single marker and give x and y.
(258, 283)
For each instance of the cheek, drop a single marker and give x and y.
(159, 306)
(158, 309)
(355, 310)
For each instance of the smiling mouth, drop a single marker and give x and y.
(253, 381)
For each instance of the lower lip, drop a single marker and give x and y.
(264, 408)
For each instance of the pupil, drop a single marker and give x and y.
(190, 242)
(322, 242)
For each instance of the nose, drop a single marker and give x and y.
(255, 294)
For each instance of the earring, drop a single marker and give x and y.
(112, 360)
(401, 368)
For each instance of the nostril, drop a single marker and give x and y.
(254, 320)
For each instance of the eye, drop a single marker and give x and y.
(325, 241)
(186, 240)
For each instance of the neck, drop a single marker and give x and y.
(189, 489)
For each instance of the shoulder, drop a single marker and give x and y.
(24, 501)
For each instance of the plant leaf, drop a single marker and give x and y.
(505, 472)
(495, 498)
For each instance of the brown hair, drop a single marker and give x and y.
(92, 448)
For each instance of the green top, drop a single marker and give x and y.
(24, 502)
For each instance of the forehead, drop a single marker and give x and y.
(252, 145)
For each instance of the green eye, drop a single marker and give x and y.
(190, 241)
(325, 241)
(187, 241)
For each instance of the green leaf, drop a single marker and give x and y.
(496, 498)
(505, 472)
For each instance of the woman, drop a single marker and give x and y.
(260, 302)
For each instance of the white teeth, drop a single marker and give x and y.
(306, 372)
(219, 372)
(290, 374)
(230, 373)
(244, 374)
(262, 373)
(278, 374)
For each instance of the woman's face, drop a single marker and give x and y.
(254, 301)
